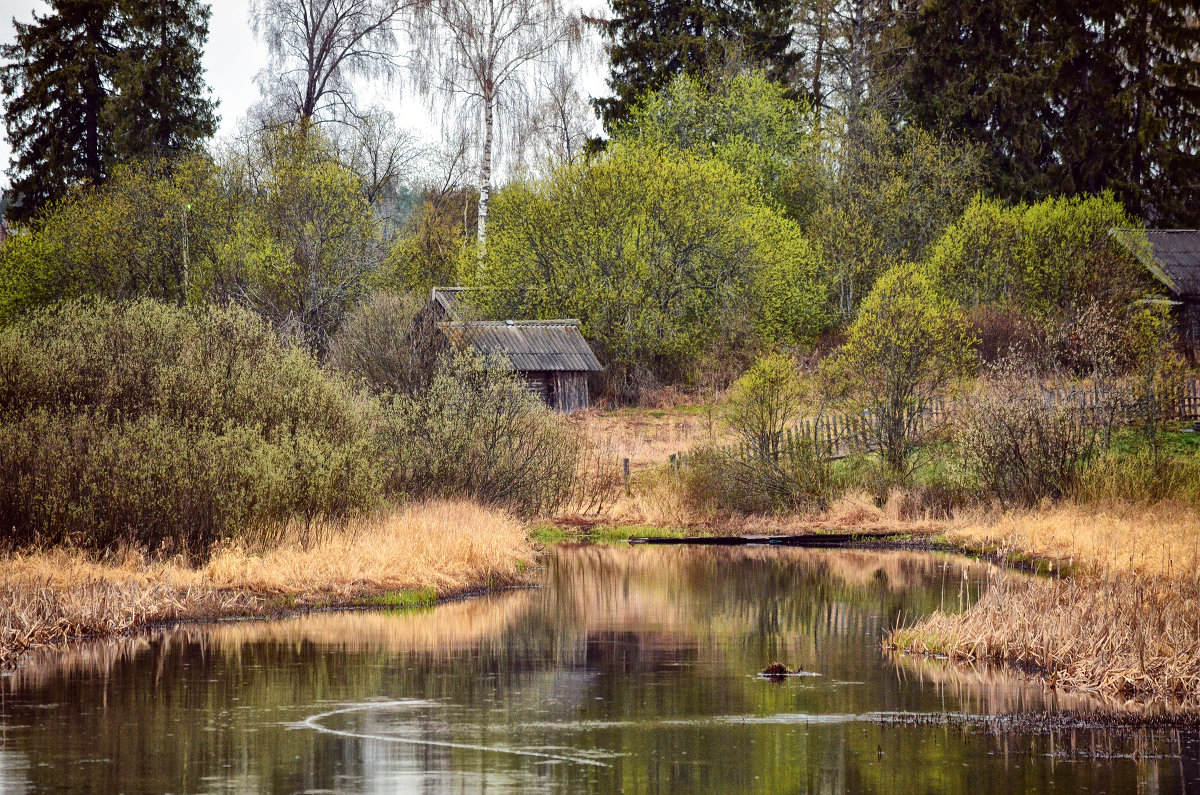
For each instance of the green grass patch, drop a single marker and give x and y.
(601, 534)
(401, 600)
(611, 533)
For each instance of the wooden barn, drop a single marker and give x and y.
(1174, 260)
(550, 355)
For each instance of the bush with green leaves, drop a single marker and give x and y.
(745, 120)
(155, 229)
(1056, 256)
(891, 195)
(908, 346)
(762, 402)
(154, 425)
(477, 432)
(659, 253)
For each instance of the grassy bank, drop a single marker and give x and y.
(1124, 622)
(430, 550)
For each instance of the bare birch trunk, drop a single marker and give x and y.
(485, 175)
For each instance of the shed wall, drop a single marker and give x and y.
(570, 392)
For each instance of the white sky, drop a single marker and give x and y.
(232, 57)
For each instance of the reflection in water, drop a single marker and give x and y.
(633, 669)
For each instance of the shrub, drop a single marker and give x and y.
(389, 344)
(762, 402)
(477, 432)
(907, 347)
(1021, 447)
(156, 426)
(798, 478)
(659, 253)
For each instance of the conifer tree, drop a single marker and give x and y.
(652, 41)
(1068, 97)
(160, 104)
(96, 82)
(56, 82)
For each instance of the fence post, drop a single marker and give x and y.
(625, 466)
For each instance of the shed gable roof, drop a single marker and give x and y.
(1175, 258)
(529, 345)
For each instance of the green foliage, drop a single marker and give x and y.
(659, 254)
(434, 245)
(404, 600)
(1050, 257)
(155, 229)
(155, 425)
(477, 432)
(1141, 476)
(1067, 99)
(311, 243)
(891, 196)
(160, 106)
(744, 120)
(908, 345)
(1159, 375)
(93, 84)
(762, 402)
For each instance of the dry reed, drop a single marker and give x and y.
(1124, 622)
(449, 546)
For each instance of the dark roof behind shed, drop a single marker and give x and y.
(530, 345)
(1175, 258)
(447, 298)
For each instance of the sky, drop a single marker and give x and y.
(232, 58)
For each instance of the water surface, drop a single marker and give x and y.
(633, 669)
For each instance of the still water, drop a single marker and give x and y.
(633, 669)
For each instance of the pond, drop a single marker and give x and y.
(632, 669)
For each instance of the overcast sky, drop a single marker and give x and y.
(232, 57)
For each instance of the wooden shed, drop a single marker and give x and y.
(1174, 260)
(550, 355)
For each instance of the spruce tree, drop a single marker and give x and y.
(652, 41)
(95, 82)
(160, 104)
(1068, 98)
(56, 82)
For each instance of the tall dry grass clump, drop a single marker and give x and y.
(1124, 620)
(1125, 635)
(448, 547)
(167, 427)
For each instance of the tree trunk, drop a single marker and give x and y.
(485, 172)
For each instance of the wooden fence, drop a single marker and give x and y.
(840, 435)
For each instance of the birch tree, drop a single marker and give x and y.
(481, 60)
(318, 47)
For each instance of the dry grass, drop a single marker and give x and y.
(1161, 539)
(648, 437)
(449, 546)
(1124, 623)
(1125, 636)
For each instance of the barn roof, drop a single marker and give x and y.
(1174, 257)
(529, 345)
(447, 299)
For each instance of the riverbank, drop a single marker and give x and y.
(423, 553)
(1124, 621)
